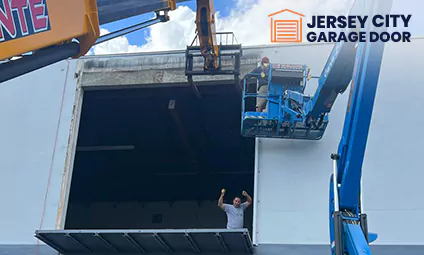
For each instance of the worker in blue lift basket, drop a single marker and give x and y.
(235, 212)
(263, 69)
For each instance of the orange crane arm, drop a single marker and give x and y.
(43, 23)
(205, 26)
(217, 56)
(43, 32)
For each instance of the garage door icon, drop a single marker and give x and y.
(286, 30)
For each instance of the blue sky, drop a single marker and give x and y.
(139, 37)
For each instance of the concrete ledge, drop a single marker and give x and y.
(152, 77)
(153, 69)
(26, 249)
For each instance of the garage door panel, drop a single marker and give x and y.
(188, 241)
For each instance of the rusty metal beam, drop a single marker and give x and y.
(186, 143)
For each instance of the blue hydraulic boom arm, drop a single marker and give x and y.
(337, 73)
(348, 224)
(290, 114)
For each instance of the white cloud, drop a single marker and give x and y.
(248, 19)
(177, 33)
(250, 22)
(117, 45)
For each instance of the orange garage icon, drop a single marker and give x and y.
(286, 30)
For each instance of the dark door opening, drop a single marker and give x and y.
(157, 158)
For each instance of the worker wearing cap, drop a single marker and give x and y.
(235, 211)
(263, 69)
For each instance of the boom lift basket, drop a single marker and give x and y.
(283, 117)
(229, 58)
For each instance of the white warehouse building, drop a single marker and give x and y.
(121, 142)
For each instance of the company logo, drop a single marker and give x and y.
(286, 30)
(354, 23)
(19, 18)
(290, 30)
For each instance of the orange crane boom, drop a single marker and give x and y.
(43, 32)
(38, 33)
(216, 54)
(206, 31)
(44, 23)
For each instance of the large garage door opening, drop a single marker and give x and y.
(157, 158)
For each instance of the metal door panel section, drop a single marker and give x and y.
(163, 241)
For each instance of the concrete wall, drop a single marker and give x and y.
(294, 176)
(36, 111)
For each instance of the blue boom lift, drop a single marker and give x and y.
(291, 114)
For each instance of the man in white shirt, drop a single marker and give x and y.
(235, 211)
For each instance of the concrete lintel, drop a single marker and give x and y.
(159, 68)
(174, 77)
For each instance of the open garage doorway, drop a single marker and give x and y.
(157, 158)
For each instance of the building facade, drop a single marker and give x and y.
(40, 115)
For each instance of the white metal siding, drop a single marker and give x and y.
(30, 110)
(294, 176)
